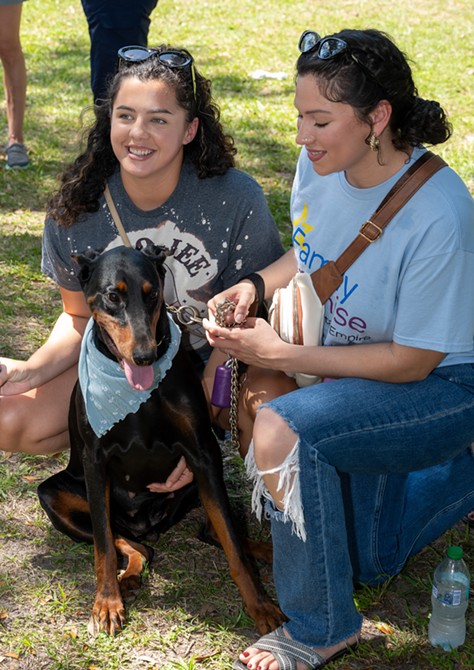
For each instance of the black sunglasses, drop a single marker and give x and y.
(326, 48)
(171, 58)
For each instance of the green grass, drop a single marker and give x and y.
(188, 614)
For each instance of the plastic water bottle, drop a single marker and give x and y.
(449, 600)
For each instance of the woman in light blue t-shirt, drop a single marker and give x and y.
(364, 470)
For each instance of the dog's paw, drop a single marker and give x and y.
(130, 586)
(108, 616)
(267, 617)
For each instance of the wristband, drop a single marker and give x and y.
(258, 282)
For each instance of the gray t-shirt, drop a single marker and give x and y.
(217, 229)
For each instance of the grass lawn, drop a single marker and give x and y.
(188, 614)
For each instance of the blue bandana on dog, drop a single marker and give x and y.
(107, 394)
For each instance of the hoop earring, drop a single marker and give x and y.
(374, 142)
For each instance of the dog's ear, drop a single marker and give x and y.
(156, 252)
(85, 261)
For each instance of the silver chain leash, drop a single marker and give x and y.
(222, 310)
(187, 315)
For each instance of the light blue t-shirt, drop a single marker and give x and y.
(415, 284)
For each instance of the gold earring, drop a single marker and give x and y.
(374, 142)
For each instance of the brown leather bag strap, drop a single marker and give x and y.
(329, 276)
(396, 198)
(116, 217)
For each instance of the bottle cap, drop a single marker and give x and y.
(455, 553)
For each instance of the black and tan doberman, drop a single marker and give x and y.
(101, 496)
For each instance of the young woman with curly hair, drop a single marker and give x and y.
(158, 145)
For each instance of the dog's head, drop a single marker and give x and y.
(124, 290)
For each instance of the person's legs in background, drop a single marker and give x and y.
(14, 77)
(113, 25)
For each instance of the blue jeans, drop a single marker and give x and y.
(384, 470)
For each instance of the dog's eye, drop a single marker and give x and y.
(113, 297)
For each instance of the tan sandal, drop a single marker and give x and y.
(288, 652)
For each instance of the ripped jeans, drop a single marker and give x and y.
(382, 470)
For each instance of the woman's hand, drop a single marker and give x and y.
(14, 377)
(254, 343)
(178, 478)
(242, 294)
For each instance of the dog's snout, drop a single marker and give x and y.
(144, 357)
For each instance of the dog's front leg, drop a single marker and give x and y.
(108, 613)
(266, 614)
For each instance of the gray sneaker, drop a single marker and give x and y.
(17, 156)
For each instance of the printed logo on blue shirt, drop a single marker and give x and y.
(336, 316)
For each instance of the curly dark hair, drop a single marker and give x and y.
(372, 69)
(211, 151)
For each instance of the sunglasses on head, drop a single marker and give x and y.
(326, 48)
(173, 58)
